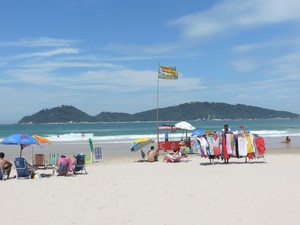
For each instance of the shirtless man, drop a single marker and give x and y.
(152, 155)
(5, 165)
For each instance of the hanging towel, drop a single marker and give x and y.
(224, 149)
(249, 142)
(260, 145)
(242, 146)
(228, 143)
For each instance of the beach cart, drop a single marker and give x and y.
(169, 138)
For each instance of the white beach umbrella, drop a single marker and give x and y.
(184, 125)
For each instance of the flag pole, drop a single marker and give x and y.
(157, 94)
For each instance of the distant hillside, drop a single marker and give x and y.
(187, 111)
(62, 114)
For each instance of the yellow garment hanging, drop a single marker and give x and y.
(249, 144)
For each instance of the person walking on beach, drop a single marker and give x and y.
(5, 165)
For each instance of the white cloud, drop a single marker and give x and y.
(235, 15)
(285, 42)
(145, 50)
(40, 54)
(245, 65)
(38, 42)
(49, 53)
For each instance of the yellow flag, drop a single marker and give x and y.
(167, 72)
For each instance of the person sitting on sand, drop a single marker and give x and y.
(152, 155)
(5, 165)
(287, 140)
(175, 157)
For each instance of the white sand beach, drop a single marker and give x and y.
(121, 190)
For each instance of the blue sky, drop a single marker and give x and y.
(103, 55)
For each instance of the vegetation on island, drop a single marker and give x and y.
(187, 111)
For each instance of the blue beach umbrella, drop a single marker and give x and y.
(198, 132)
(20, 139)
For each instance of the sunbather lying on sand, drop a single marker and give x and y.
(175, 157)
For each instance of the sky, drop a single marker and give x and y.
(103, 55)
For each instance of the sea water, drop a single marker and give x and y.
(273, 130)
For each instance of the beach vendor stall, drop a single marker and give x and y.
(173, 136)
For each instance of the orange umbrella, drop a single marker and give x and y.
(42, 140)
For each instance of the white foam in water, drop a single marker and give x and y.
(77, 137)
(71, 137)
(275, 133)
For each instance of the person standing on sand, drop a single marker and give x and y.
(225, 153)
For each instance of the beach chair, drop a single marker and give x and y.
(22, 169)
(98, 155)
(39, 161)
(53, 159)
(80, 163)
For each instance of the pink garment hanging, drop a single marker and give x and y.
(228, 143)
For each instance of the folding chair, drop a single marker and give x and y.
(22, 169)
(39, 160)
(98, 155)
(80, 164)
(53, 159)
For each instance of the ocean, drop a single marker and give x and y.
(273, 130)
